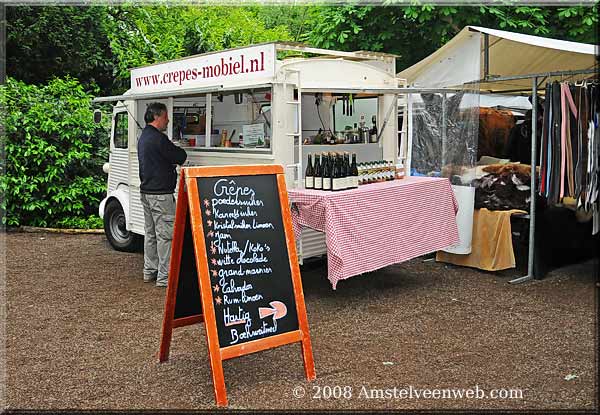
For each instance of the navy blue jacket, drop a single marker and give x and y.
(157, 157)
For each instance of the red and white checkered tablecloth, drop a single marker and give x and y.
(378, 224)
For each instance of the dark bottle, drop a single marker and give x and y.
(309, 175)
(318, 173)
(337, 182)
(354, 172)
(333, 169)
(373, 130)
(326, 172)
(346, 170)
(344, 162)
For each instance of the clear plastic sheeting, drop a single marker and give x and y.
(444, 135)
(444, 128)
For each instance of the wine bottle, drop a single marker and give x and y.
(370, 172)
(373, 130)
(361, 173)
(309, 175)
(361, 128)
(337, 179)
(347, 175)
(326, 173)
(318, 173)
(354, 172)
(332, 168)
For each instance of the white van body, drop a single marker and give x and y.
(237, 102)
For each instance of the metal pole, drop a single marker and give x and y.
(443, 132)
(533, 75)
(486, 55)
(531, 254)
(409, 135)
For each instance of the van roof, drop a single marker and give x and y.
(360, 55)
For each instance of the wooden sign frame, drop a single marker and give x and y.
(188, 198)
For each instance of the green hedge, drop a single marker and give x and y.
(51, 173)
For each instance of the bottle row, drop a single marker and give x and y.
(357, 135)
(376, 171)
(334, 171)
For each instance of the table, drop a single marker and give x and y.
(378, 224)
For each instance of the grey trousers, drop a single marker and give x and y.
(159, 214)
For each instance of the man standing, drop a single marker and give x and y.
(157, 157)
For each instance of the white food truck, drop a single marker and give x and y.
(249, 106)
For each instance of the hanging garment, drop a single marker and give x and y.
(584, 120)
(580, 93)
(549, 141)
(563, 140)
(570, 147)
(544, 145)
(570, 116)
(555, 178)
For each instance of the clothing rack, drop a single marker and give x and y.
(534, 89)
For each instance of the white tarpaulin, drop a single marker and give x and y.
(460, 64)
(510, 54)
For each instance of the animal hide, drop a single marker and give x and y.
(505, 187)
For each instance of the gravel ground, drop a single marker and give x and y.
(82, 332)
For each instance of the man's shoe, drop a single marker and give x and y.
(161, 284)
(149, 278)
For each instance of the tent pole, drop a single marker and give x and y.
(531, 253)
(486, 55)
(444, 115)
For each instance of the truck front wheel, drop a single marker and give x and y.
(116, 230)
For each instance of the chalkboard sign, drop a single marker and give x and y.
(247, 256)
(234, 266)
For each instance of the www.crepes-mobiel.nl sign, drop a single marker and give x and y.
(221, 68)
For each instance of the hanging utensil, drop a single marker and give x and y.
(351, 105)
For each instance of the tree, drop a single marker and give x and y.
(99, 45)
(293, 18)
(52, 41)
(54, 152)
(414, 32)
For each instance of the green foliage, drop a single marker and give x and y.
(55, 41)
(54, 153)
(578, 23)
(91, 222)
(291, 17)
(414, 30)
(145, 35)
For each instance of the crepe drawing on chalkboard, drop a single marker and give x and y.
(277, 310)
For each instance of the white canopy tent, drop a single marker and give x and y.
(496, 61)
(466, 59)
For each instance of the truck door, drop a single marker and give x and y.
(116, 208)
(119, 157)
